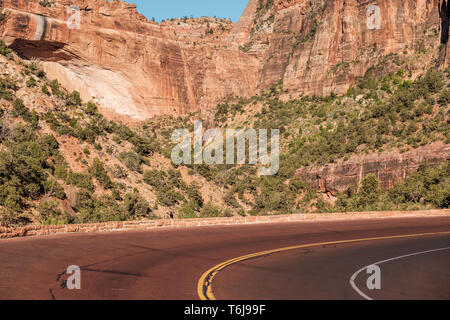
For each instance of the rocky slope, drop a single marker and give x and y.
(358, 100)
(388, 126)
(139, 68)
(62, 161)
(389, 167)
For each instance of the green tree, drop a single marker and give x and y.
(49, 212)
(155, 178)
(98, 171)
(209, 210)
(135, 206)
(369, 192)
(131, 160)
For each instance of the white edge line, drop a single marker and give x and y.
(353, 278)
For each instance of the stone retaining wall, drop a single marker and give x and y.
(144, 225)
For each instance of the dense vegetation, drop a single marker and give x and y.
(33, 171)
(35, 175)
(118, 176)
(428, 187)
(393, 112)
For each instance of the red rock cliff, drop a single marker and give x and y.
(140, 68)
(129, 64)
(321, 46)
(389, 167)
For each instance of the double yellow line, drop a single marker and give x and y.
(204, 286)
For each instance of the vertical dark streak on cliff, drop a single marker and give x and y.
(444, 13)
(42, 19)
(45, 28)
(342, 31)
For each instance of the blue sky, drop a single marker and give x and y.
(166, 9)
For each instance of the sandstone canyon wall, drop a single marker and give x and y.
(140, 68)
(389, 167)
(130, 65)
(321, 46)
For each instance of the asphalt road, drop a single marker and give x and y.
(168, 264)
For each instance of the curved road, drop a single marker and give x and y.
(172, 264)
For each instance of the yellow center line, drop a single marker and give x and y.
(204, 286)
